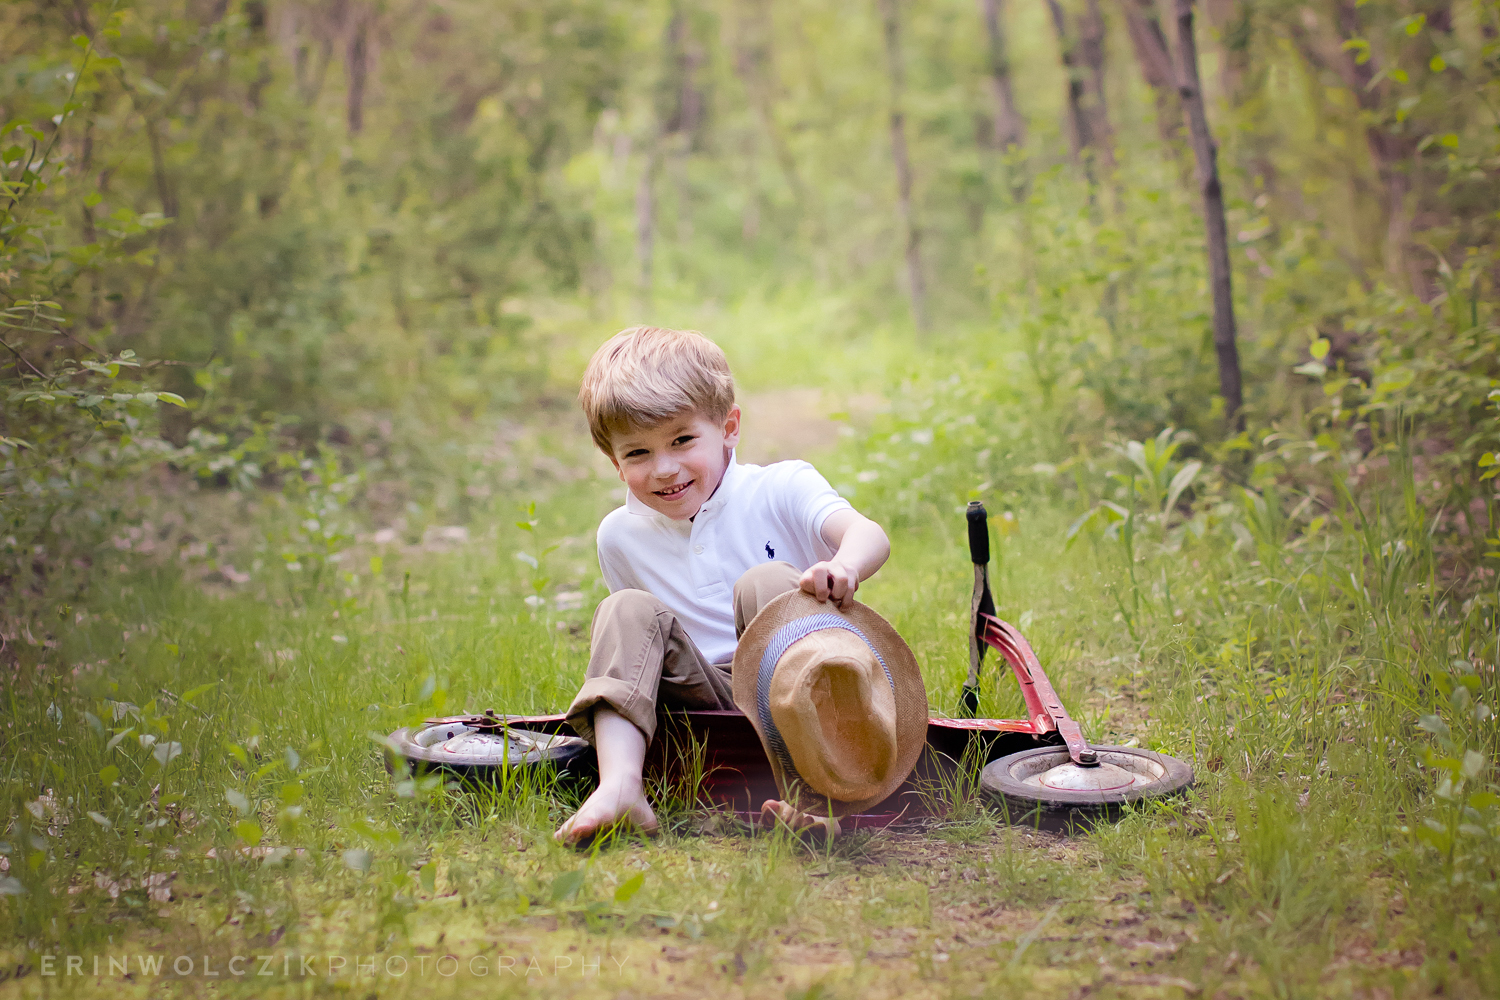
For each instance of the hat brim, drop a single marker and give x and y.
(906, 677)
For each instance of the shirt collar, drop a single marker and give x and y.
(636, 505)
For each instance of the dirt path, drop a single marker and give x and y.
(799, 423)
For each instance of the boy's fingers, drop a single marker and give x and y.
(809, 582)
(828, 583)
(842, 587)
(839, 587)
(847, 600)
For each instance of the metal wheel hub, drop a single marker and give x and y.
(496, 746)
(487, 743)
(1101, 777)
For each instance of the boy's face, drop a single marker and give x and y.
(676, 465)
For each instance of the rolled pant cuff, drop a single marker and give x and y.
(618, 695)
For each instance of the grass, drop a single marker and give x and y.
(195, 773)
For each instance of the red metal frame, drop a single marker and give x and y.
(1043, 706)
(738, 775)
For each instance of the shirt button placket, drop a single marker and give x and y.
(695, 543)
(711, 537)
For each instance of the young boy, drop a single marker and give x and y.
(700, 546)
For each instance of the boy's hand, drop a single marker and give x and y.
(775, 809)
(832, 581)
(859, 549)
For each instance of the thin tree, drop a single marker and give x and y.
(1340, 47)
(1205, 153)
(1010, 127)
(676, 121)
(645, 217)
(1154, 56)
(910, 231)
(1078, 131)
(358, 68)
(685, 115)
(1081, 46)
(754, 62)
(1091, 35)
(1242, 78)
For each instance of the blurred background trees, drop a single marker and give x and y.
(330, 223)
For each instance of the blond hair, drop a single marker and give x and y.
(646, 374)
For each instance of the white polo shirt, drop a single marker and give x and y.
(758, 514)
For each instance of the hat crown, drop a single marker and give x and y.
(841, 696)
(833, 703)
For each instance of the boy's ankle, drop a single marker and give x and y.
(631, 785)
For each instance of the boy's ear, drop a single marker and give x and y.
(732, 426)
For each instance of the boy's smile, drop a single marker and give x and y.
(672, 492)
(676, 465)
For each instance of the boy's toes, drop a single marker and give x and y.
(593, 818)
(582, 824)
(579, 833)
(570, 832)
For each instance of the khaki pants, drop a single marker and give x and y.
(641, 659)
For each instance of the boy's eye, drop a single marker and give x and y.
(635, 453)
(684, 439)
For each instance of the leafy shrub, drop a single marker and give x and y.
(76, 418)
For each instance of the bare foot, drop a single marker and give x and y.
(610, 804)
(773, 810)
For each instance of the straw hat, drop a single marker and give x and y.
(837, 699)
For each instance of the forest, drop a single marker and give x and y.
(1199, 299)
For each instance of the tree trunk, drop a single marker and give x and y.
(910, 231)
(1010, 127)
(645, 219)
(1241, 76)
(1078, 130)
(1091, 35)
(1206, 154)
(687, 113)
(164, 188)
(1083, 59)
(1154, 57)
(358, 67)
(754, 63)
(681, 109)
(1390, 153)
(1231, 20)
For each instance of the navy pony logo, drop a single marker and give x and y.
(770, 552)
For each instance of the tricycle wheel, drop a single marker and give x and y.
(475, 751)
(1046, 780)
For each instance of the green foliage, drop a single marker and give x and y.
(182, 188)
(75, 417)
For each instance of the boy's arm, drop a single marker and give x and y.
(614, 568)
(861, 549)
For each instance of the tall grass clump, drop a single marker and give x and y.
(1333, 687)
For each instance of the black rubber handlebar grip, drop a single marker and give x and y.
(979, 533)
